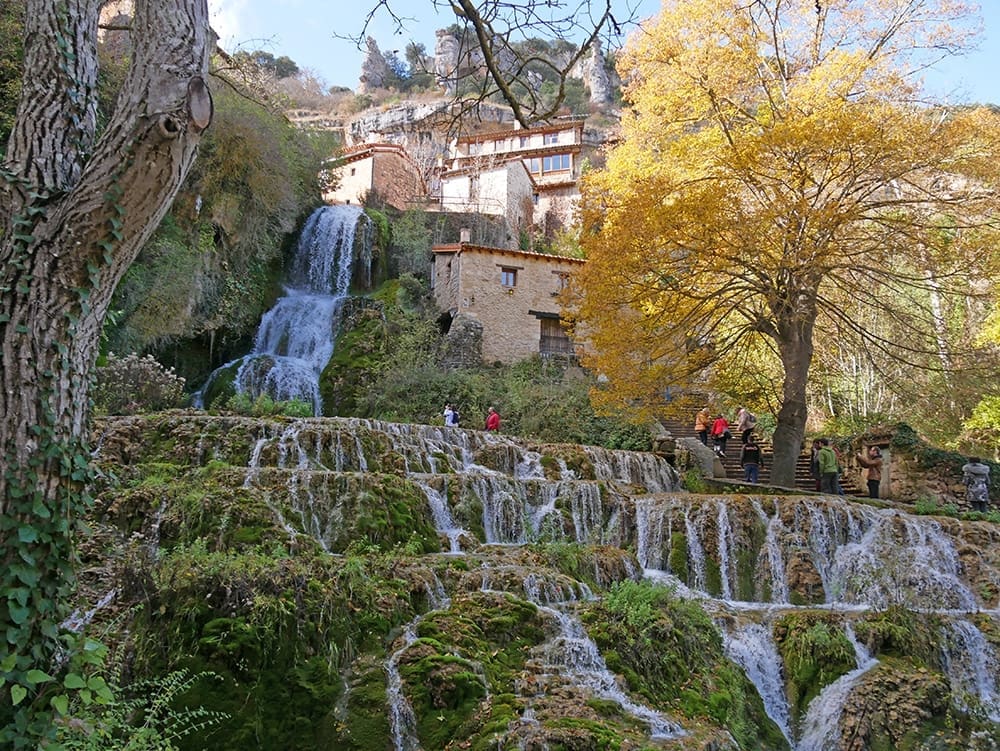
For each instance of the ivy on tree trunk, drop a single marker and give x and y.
(76, 206)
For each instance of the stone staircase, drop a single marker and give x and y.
(803, 478)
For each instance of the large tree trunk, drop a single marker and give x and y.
(74, 214)
(796, 349)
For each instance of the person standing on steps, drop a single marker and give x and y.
(702, 424)
(720, 434)
(828, 467)
(449, 416)
(746, 421)
(840, 469)
(976, 478)
(751, 459)
(814, 462)
(873, 463)
(493, 420)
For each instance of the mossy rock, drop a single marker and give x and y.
(815, 652)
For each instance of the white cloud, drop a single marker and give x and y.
(226, 17)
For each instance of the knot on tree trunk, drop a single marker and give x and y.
(199, 112)
(169, 126)
(200, 107)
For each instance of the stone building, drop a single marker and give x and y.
(505, 190)
(384, 168)
(552, 156)
(513, 294)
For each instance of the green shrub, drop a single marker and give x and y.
(265, 406)
(141, 717)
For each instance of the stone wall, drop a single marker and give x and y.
(909, 482)
(463, 344)
(385, 170)
(467, 280)
(354, 182)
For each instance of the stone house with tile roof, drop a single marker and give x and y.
(512, 294)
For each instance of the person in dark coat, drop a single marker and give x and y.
(751, 459)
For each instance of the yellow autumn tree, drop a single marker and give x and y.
(778, 159)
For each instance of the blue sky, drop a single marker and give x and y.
(305, 30)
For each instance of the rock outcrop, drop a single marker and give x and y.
(374, 69)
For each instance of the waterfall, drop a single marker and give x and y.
(772, 552)
(575, 654)
(443, 520)
(402, 721)
(77, 621)
(649, 519)
(724, 544)
(296, 337)
(572, 654)
(752, 647)
(821, 728)
(696, 553)
(479, 489)
(973, 668)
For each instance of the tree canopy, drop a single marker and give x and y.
(781, 183)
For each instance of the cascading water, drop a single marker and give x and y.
(973, 668)
(402, 721)
(863, 559)
(752, 648)
(296, 337)
(821, 726)
(754, 559)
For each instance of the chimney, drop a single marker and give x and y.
(465, 235)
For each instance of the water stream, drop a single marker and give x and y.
(860, 558)
(296, 337)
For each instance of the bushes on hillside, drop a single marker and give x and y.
(132, 384)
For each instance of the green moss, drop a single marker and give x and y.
(586, 734)
(671, 653)
(713, 577)
(678, 558)
(358, 354)
(276, 629)
(362, 722)
(444, 691)
(746, 557)
(900, 632)
(815, 652)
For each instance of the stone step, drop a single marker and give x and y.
(803, 474)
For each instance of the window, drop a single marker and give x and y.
(354, 171)
(550, 138)
(508, 276)
(557, 163)
(523, 142)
